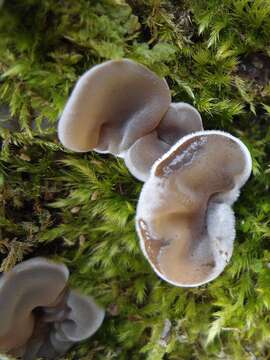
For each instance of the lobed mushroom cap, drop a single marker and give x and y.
(180, 119)
(83, 320)
(112, 106)
(39, 316)
(143, 154)
(31, 284)
(184, 218)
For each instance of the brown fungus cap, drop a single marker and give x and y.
(184, 216)
(31, 284)
(180, 119)
(112, 106)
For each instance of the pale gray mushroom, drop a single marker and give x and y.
(121, 107)
(112, 106)
(180, 119)
(40, 317)
(78, 318)
(184, 217)
(83, 320)
(31, 284)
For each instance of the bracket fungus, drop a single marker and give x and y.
(184, 217)
(40, 316)
(123, 108)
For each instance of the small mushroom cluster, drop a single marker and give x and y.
(40, 316)
(192, 177)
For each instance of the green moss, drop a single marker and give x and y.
(80, 208)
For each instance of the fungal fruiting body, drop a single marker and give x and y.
(184, 217)
(123, 108)
(21, 291)
(40, 316)
(180, 119)
(67, 332)
(112, 105)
